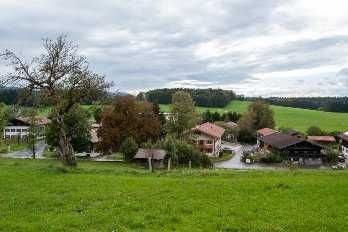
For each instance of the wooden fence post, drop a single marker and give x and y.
(190, 164)
(150, 163)
(169, 163)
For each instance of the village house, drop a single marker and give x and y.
(293, 147)
(207, 137)
(344, 143)
(19, 127)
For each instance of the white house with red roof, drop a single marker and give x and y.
(207, 137)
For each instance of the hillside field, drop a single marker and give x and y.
(299, 119)
(40, 195)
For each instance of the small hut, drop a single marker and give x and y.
(157, 156)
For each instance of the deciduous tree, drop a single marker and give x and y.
(184, 115)
(62, 77)
(128, 118)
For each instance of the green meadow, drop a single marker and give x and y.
(41, 195)
(299, 119)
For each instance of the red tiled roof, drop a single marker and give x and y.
(210, 129)
(266, 131)
(322, 138)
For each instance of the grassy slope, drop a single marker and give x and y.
(40, 196)
(299, 119)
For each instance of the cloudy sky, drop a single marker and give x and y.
(257, 48)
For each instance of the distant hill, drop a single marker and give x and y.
(289, 117)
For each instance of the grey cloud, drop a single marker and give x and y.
(149, 44)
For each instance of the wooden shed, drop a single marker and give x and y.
(157, 156)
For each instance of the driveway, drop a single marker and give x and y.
(40, 148)
(235, 162)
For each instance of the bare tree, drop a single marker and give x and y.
(61, 76)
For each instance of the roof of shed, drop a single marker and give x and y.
(322, 138)
(156, 154)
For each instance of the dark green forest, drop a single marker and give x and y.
(329, 104)
(202, 97)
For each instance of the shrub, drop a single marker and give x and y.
(314, 130)
(331, 155)
(129, 147)
(271, 157)
(181, 152)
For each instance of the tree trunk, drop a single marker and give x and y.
(65, 149)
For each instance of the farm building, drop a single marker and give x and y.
(157, 156)
(207, 137)
(293, 147)
(19, 127)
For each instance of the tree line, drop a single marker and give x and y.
(201, 97)
(329, 104)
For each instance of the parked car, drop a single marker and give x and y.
(341, 159)
(339, 166)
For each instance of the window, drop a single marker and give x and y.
(13, 130)
(18, 130)
(7, 130)
(201, 142)
(24, 130)
(209, 142)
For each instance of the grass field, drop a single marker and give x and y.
(40, 195)
(299, 119)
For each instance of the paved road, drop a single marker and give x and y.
(40, 148)
(235, 162)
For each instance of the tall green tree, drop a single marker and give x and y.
(184, 115)
(259, 115)
(4, 114)
(77, 127)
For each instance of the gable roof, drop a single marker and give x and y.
(210, 129)
(321, 138)
(266, 131)
(279, 140)
(156, 154)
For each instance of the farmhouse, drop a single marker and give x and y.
(19, 127)
(207, 137)
(344, 143)
(322, 140)
(293, 147)
(157, 156)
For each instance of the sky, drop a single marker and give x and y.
(256, 48)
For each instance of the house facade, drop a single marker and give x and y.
(344, 143)
(207, 137)
(19, 127)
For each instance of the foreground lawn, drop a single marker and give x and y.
(299, 119)
(42, 196)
